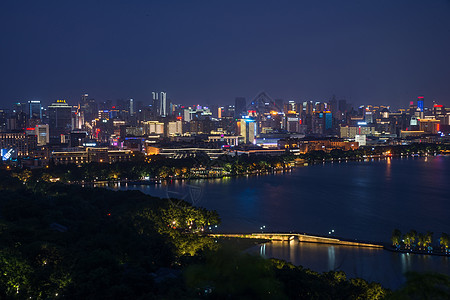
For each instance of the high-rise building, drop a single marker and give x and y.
(89, 107)
(247, 129)
(240, 106)
(420, 100)
(59, 119)
(160, 103)
(175, 128)
(279, 104)
(84, 99)
(19, 107)
(342, 105)
(34, 109)
(131, 107)
(42, 134)
(328, 120)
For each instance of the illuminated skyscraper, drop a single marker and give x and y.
(34, 109)
(131, 106)
(420, 102)
(59, 119)
(160, 103)
(247, 129)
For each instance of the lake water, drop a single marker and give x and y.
(358, 200)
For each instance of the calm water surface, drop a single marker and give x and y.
(358, 200)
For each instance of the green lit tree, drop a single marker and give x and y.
(14, 275)
(445, 241)
(412, 235)
(421, 240)
(396, 237)
(428, 238)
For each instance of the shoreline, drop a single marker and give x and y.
(304, 163)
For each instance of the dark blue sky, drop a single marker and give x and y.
(369, 52)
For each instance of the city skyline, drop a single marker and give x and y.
(367, 53)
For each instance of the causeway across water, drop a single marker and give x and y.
(286, 237)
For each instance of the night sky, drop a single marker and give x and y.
(209, 52)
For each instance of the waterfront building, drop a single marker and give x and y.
(99, 155)
(304, 146)
(179, 153)
(430, 126)
(349, 132)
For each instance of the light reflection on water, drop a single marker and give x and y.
(370, 264)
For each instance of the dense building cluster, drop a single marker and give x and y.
(93, 131)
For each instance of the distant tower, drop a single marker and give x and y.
(247, 129)
(84, 99)
(279, 104)
(131, 104)
(34, 109)
(240, 105)
(160, 103)
(420, 100)
(59, 119)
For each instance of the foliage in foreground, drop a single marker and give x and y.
(83, 243)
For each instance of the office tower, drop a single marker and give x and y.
(292, 123)
(42, 134)
(279, 104)
(328, 120)
(368, 117)
(59, 119)
(175, 128)
(240, 106)
(34, 109)
(291, 107)
(420, 100)
(342, 106)
(318, 123)
(19, 107)
(89, 107)
(247, 129)
(334, 106)
(308, 107)
(131, 106)
(160, 104)
(84, 99)
(78, 119)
